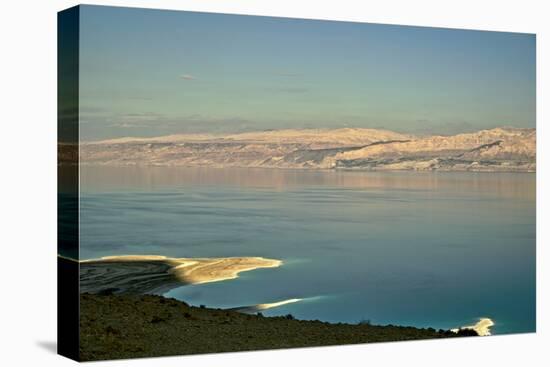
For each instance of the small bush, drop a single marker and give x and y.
(111, 330)
(157, 319)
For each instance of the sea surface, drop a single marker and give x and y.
(426, 249)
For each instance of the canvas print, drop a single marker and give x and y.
(235, 183)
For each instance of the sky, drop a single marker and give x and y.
(155, 72)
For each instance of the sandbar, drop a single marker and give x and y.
(151, 274)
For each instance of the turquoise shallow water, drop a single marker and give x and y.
(423, 249)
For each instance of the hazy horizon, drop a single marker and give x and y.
(150, 72)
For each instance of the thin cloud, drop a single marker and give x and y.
(140, 98)
(187, 77)
(289, 74)
(143, 116)
(126, 125)
(289, 90)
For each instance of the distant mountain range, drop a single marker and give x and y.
(499, 149)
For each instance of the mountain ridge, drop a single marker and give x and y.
(497, 149)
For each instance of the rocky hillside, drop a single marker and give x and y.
(151, 326)
(499, 149)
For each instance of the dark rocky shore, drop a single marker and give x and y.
(130, 326)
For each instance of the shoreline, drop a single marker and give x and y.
(311, 169)
(157, 274)
(127, 316)
(144, 275)
(130, 326)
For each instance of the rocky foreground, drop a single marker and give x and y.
(499, 149)
(132, 326)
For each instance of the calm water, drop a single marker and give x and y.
(422, 249)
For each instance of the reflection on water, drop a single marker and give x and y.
(425, 249)
(150, 178)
